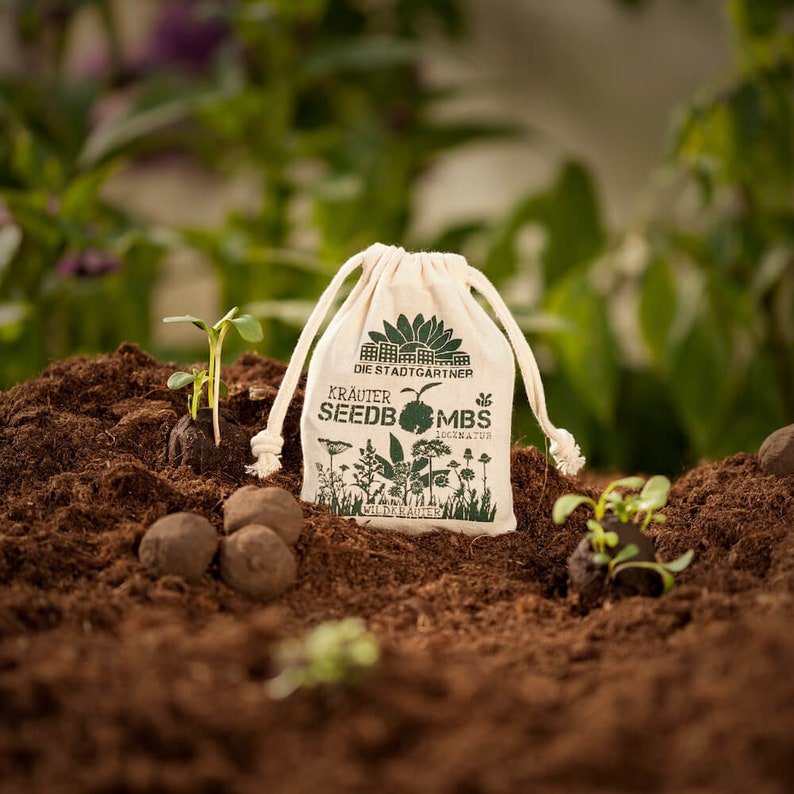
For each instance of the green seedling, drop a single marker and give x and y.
(335, 653)
(249, 329)
(181, 379)
(639, 509)
(625, 508)
(623, 560)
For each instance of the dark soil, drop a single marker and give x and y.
(494, 679)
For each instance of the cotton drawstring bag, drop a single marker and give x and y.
(406, 419)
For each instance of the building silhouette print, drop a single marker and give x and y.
(425, 356)
(388, 352)
(369, 352)
(418, 341)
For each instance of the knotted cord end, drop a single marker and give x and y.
(266, 448)
(566, 453)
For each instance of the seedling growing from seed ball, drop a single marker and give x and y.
(249, 329)
(335, 653)
(181, 379)
(639, 509)
(623, 560)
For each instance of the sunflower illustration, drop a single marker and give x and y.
(428, 340)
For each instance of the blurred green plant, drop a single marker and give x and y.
(337, 653)
(716, 292)
(673, 340)
(325, 105)
(321, 103)
(75, 271)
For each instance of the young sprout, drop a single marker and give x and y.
(335, 653)
(181, 379)
(637, 508)
(652, 497)
(623, 560)
(249, 329)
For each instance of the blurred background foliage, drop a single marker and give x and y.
(661, 342)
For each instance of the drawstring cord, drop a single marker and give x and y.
(266, 445)
(563, 447)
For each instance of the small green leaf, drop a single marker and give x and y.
(180, 379)
(595, 527)
(79, 198)
(248, 327)
(668, 580)
(566, 504)
(226, 318)
(621, 510)
(628, 482)
(626, 553)
(600, 559)
(187, 318)
(654, 494)
(223, 389)
(678, 565)
(611, 539)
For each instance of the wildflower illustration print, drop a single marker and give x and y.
(429, 483)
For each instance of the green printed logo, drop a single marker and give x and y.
(416, 341)
(410, 478)
(417, 416)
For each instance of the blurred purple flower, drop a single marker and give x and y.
(91, 262)
(183, 36)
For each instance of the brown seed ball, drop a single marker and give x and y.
(272, 507)
(776, 455)
(181, 543)
(257, 562)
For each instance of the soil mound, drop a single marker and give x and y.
(492, 680)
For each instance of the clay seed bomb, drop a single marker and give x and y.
(182, 544)
(256, 562)
(270, 507)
